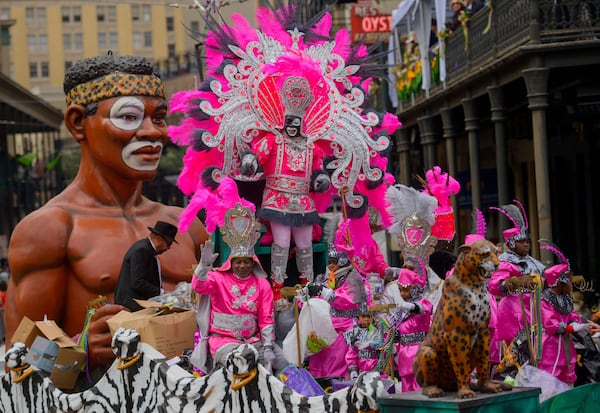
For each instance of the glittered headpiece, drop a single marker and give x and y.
(338, 257)
(413, 217)
(364, 309)
(240, 231)
(257, 76)
(296, 95)
(517, 216)
(102, 77)
(413, 280)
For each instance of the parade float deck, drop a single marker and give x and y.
(519, 399)
(141, 380)
(152, 384)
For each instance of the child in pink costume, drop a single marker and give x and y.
(414, 321)
(344, 290)
(516, 276)
(363, 341)
(559, 321)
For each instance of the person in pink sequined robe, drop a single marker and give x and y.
(413, 320)
(241, 309)
(363, 341)
(293, 171)
(559, 321)
(344, 290)
(516, 268)
(517, 275)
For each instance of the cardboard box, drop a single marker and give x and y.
(51, 350)
(169, 330)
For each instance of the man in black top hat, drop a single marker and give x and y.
(140, 275)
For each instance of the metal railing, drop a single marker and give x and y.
(514, 23)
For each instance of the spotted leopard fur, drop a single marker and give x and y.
(459, 339)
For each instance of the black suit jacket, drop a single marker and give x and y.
(475, 7)
(139, 277)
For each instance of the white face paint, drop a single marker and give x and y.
(142, 155)
(292, 126)
(127, 113)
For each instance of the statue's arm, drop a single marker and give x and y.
(38, 261)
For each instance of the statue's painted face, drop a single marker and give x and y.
(129, 113)
(292, 126)
(126, 135)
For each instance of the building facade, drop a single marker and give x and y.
(48, 36)
(517, 117)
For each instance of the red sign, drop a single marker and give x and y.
(366, 20)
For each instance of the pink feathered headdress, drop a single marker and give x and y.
(442, 186)
(242, 101)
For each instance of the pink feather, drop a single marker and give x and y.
(189, 213)
(480, 223)
(547, 245)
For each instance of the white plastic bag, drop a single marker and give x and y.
(314, 318)
(529, 376)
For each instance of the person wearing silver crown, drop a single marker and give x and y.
(517, 275)
(293, 170)
(345, 289)
(241, 299)
(413, 213)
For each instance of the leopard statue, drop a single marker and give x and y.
(459, 339)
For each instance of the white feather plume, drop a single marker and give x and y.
(404, 200)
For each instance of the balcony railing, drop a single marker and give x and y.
(514, 23)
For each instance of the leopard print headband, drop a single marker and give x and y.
(113, 85)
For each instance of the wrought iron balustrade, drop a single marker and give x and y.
(511, 25)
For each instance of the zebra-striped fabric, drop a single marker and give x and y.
(151, 385)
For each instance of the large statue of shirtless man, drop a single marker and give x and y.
(70, 250)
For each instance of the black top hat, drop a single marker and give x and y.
(165, 230)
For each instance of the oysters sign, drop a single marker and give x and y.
(367, 21)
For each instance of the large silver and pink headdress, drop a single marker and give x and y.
(285, 66)
(413, 213)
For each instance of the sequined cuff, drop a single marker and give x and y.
(267, 336)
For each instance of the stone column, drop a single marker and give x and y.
(499, 118)
(450, 130)
(536, 80)
(403, 151)
(472, 127)
(428, 140)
